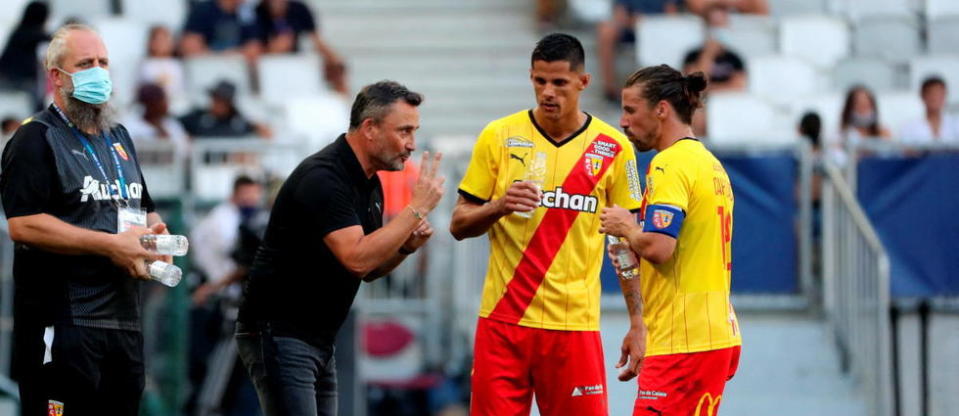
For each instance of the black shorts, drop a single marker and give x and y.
(85, 371)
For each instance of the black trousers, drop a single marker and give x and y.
(84, 371)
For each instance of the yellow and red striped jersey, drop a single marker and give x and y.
(544, 270)
(686, 304)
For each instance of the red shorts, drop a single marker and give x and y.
(511, 362)
(685, 384)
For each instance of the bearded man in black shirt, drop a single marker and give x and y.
(77, 205)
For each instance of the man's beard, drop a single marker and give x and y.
(88, 117)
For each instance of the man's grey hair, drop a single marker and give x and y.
(58, 44)
(374, 101)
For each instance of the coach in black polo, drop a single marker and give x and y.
(325, 235)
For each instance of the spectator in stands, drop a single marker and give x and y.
(20, 63)
(547, 13)
(281, 23)
(161, 66)
(936, 126)
(8, 126)
(860, 116)
(702, 7)
(621, 29)
(810, 128)
(218, 26)
(155, 123)
(215, 242)
(222, 119)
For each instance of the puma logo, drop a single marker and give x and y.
(653, 409)
(515, 156)
(660, 169)
(79, 153)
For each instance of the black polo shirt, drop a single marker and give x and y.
(296, 284)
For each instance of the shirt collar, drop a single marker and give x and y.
(350, 162)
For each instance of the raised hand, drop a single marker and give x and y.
(429, 187)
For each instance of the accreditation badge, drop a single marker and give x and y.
(54, 408)
(130, 217)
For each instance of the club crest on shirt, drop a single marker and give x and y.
(594, 163)
(662, 218)
(123, 153)
(54, 408)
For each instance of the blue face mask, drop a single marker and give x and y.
(91, 86)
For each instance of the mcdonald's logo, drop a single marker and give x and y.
(711, 405)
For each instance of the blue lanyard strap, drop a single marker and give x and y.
(96, 160)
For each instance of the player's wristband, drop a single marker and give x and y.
(663, 219)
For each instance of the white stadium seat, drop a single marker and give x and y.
(941, 8)
(750, 35)
(741, 117)
(780, 79)
(126, 40)
(859, 9)
(282, 77)
(796, 7)
(169, 13)
(85, 10)
(876, 74)
(11, 12)
(317, 119)
(827, 105)
(943, 34)
(898, 108)
(945, 66)
(892, 38)
(592, 11)
(819, 40)
(667, 39)
(15, 104)
(205, 71)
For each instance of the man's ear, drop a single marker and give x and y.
(584, 79)
(662, 109)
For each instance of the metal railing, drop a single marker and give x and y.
(7, 386)
(856, 291)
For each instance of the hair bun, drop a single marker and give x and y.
(695, 82)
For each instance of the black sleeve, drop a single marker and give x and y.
(328, 202)
(146, 202)
(197, 21)
(734, 60)
(29, 174)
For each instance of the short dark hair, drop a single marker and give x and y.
(930, 82)
(810, 126)
(662, 82)
(374, 100)
(560, 47)
(242, 181)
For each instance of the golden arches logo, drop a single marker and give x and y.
(711, 405)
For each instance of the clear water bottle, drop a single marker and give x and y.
(536, 175)
(622, 253)
(165, 244)
(165, 273)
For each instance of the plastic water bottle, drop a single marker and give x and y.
(536, 175)
(621, 252)
(167, 245)
(165, 273)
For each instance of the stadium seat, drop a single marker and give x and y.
(876, 74)
(750, 35)
(741, 117)
(780, 79)
(859, 9)
(319, 119)
(819, 40)
(282, 77)
(15, 104)
(943, 34)
(945, 66)
(892, 38)
(203, 72)
(828, 106)
(85, 10)
(667, 39)
(898, 108)
(11, 12)
(796, 7)
(126, 40)
(941, 8)
(591, 11)
(169, 13)
(6, 27)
